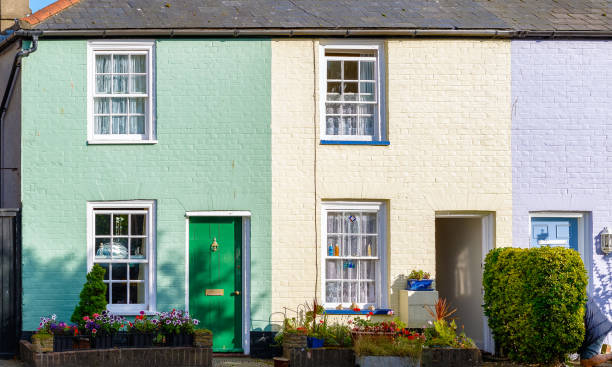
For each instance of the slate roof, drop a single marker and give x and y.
(517, 15)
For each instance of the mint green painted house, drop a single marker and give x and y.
(124, 147)
(207, 149)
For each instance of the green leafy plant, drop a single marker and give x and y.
(534, 299)
(401, 346)
(143, 324)
(338, 336)
(92, 297)
(419, 275)
(444, 334)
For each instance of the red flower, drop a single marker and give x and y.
(370, 313)
(85, 318)
(356, 309)
(94, 331)
(411, 337)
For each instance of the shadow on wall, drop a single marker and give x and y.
(51, 285)
(602, 271)
(398, 284)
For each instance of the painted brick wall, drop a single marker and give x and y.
(213, 127)
(561, 153)
(449, 127)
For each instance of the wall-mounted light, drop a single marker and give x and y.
(605, 238)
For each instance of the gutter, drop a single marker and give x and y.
(330, 32)
(8, 92)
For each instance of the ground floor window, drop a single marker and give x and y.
(121, 240)
(354, 254)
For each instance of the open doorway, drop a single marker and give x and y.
(462, 241)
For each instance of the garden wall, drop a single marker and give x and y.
(124, 357)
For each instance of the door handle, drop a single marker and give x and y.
(235, 293)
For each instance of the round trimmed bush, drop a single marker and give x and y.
(534, 299)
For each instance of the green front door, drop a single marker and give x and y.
(215, 278)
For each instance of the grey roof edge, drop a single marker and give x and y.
(328, 32)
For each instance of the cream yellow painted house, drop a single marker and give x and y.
(444, 159)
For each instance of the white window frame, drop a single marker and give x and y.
(121, 47)
(380, 125)
(121, 206)
(381, 280)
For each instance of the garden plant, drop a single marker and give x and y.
(534, 299)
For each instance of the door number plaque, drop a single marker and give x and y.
(214, 292)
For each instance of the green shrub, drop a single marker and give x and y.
(534, 299)
(93, 296)
(386, 346)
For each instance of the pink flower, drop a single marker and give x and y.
(142, 312)
(95, 315)
(94, 331)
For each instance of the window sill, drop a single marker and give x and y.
(121, 142)
(378, 311)
(131, 313)
(355, 142)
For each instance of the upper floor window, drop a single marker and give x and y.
(352, 105)
(120, 85)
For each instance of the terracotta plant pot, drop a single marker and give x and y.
(81, 343)
(42, 343)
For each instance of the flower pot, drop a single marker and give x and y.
(62, 343)
(81, 343)
(138, 340)
(387, 361)
(179, 340)
(202, 339)
(419, 285)
(313, 342)
(293, 341)
(103, 341)
(42, 343)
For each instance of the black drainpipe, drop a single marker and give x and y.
(10, 86)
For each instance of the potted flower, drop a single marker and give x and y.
(291, 336)
(317, 329)
(418, 280)
(63, 336)
(178, 327)
(366, 327)
(443, 344)
(142, 331)
(42, 341)
(102, 327)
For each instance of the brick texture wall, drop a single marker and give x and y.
(449, 127)
(213, 128)
(561, 154)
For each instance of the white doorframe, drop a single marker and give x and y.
(246, 267)
(488, 243)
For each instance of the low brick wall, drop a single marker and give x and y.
(124, 357)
